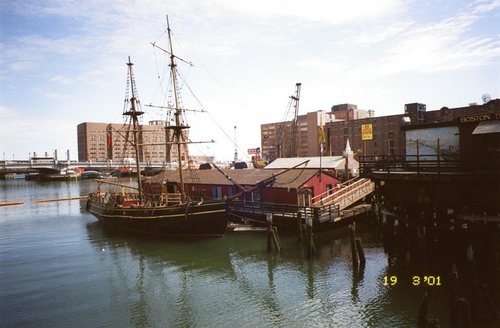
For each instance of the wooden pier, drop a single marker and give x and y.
(445, 217)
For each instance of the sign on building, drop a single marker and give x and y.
(366, 132)
(253, 151)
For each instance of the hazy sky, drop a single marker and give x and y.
(63, 62)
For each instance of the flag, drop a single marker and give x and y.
(321, 134)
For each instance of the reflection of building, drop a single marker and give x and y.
(345, 122)
(102, 141)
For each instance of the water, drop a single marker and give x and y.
(60, 268)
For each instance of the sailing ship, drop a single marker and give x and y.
(171, 213)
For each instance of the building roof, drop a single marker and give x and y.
(294, 178)
(327, 163)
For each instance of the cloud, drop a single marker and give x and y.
(410, 46)
(258, 51)
(320, 11)
(21, 134)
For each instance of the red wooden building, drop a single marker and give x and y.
(294, 187)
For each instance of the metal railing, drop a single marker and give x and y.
(286, 210)
(273, 208)
(409, 163)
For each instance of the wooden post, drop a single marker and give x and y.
(361, 253)
(438, 156)
(354, 252)
(299, 226)
(422, 320)
(422, 313)
(272, 234)
(309, 237)
(269, 218)
(463, 313)
(276, 241)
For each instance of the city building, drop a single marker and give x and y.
(367, 134)
(277, 138)
(111, 142)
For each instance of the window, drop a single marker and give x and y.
(217, 192)
(329, 189)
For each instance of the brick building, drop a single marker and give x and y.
(346, 122)
(277, 137)
(102, 141)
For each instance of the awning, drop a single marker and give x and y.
(487, 127)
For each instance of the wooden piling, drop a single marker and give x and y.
(299, 226)
(272, 235)
(422, 320)
(269, 237)
(310, 237)
(463, 314)
(354, 251)
(360, 251)
(269, 218)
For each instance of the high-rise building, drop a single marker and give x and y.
(102, 141)
(277, 137)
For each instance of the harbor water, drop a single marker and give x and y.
(59, 267)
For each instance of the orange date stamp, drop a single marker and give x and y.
(415, 280)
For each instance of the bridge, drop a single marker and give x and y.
(49, 165)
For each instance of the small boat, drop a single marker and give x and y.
(10, 176)
(170, 214)
(92, 175)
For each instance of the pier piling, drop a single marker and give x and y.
(354, 251)
(272, 235)
(361, 252)
(310, 237)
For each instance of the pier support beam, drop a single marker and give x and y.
(272, 235)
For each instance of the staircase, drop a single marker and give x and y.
(346, 194)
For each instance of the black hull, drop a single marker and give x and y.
(196, 221)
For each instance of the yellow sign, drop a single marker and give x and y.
(366, 132)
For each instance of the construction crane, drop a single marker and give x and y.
(287, 130)
(295, 100)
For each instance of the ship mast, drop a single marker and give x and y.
(178, 127)
(134, 114)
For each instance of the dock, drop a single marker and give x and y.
(329, 210)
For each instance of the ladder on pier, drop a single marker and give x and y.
(346, 194)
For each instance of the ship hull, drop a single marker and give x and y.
(196, 221)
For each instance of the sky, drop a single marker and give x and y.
(64, 62)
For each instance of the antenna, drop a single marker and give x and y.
(295, 98)
(235, 146)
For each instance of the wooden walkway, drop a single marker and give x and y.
(346, 194)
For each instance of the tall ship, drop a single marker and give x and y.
(172, 213)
